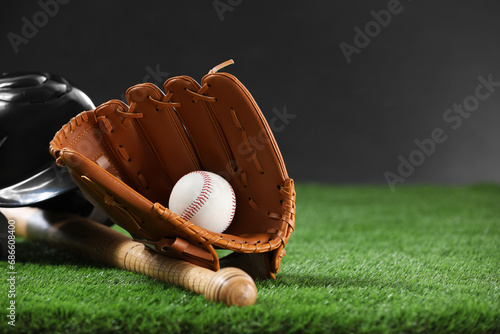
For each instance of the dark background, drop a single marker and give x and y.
(351, 121)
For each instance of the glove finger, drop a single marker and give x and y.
(124, 143)
(249, 136)
(208, 139)
(261, 170)
(163, 135)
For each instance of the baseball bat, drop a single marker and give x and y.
(87, 238)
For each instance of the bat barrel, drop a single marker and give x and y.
(98, 242)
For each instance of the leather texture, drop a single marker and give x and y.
(126, 158)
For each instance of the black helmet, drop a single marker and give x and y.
(33, 107)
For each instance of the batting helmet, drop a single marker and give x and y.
(33, 107)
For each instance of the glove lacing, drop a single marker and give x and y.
(199, 95)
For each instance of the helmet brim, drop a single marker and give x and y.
(50, 182)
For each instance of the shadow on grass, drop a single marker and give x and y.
(319, 281)
(331, 281)
(322, 281)
(43, 254)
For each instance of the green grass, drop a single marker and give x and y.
(421, 259)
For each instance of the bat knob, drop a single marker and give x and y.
(232, 286)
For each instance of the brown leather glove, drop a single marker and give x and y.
(127, 158)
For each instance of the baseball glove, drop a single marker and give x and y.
(127, 158)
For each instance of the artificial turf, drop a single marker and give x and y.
(363, 259)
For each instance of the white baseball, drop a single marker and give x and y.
(205, 199)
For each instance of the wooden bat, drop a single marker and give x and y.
(87, 238)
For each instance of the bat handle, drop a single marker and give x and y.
(87, 238)
(231, 286)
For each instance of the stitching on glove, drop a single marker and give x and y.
(112, 167)
(130, 113)
(142, 180)
(123, 153)
(253, 204)
(74, 122)
(127, 116)
(110, 200)
(289, 205)
(274, 215)
(124, 210)
(107, 124)
(244, 135)
(211, 241)
(244, 179)
(199, 95)
(165, 102)
(77, 139)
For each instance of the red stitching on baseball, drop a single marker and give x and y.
(234, 205)
(198, 203)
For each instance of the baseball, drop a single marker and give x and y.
(205, 199)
